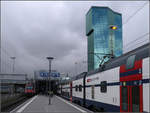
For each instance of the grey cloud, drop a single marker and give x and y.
(33, 30)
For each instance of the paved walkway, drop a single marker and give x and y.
(40, 104)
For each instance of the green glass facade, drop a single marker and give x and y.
(101, 39)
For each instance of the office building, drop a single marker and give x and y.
(104, 34)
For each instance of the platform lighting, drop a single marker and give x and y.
(13, 58)
(50, 60)
(113, 28)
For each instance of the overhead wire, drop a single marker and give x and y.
(134, 41)
(137, 39)
(5, 66)
(131, 16)
(4, 57)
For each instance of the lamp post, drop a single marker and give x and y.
(13, 58)
(0, 53)
(76, 68)
(112, 27)
(49, 59)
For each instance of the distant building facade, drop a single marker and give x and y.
(13, 78)
(102, 40)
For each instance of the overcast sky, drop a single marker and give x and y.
(31, 31)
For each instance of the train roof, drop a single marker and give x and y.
(65, 81)
(140, 52)
(81, 75)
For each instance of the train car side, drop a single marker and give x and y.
(120, 85)
(146, 84)
(102, 91)
(77, 91)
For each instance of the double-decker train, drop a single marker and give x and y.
(121, 85)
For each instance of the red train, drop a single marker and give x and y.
(29, 89)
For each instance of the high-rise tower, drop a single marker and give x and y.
(104, 33)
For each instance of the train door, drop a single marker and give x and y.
(131, 98)
(84, 91)
(92, 92)
(131, 94)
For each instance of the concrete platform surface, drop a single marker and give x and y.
(40, 104)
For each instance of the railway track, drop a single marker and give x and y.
(12, 105)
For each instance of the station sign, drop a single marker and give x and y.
(52, 74)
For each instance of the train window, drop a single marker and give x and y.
(80, 87)
(30, 88)
(135, 99)
(124, 98)
(130, 62)
(92, 92)
(76, 88)
(103, 86)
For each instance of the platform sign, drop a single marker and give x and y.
(43, 74)
(55, 74)
(46, 74)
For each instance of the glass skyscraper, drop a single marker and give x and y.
(102, 40)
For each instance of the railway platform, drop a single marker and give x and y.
(39, 103)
